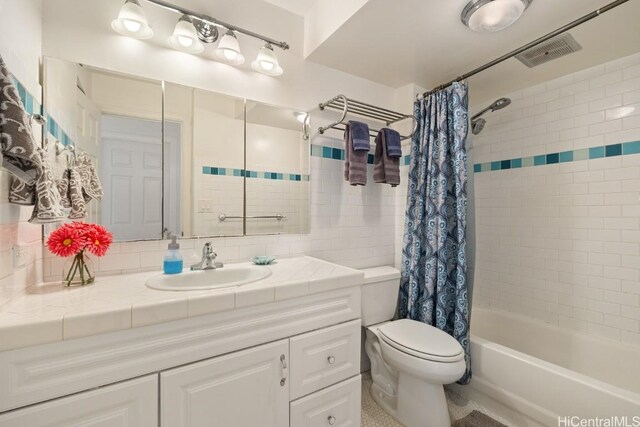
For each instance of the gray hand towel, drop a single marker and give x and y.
(360, 136)
(70, 188)
(355, 164)
(48, 207)
(32, 182)
(393, 143)
(91, 186)
(17, 144)
(386, 169)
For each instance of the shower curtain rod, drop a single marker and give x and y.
(527, 46)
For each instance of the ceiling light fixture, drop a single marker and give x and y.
(488, 16)
(193, 29)
(185, 37)
(229, 49)
(132, 21)
(267, 62)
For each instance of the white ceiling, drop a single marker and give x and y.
(424, 42)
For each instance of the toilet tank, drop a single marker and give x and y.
(379, 294)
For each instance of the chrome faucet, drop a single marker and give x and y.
(208, 259)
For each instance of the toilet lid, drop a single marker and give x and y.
(421, 340)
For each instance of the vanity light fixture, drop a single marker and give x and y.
(193, 29)
(488, 16)
(267, 62)
(132, 21)
(185, 37)
(229, 49)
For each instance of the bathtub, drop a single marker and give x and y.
(533, 373)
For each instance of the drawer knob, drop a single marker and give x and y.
(331, 420)
(331, 360)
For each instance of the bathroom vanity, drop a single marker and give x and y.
(281, 351)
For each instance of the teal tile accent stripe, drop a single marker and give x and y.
(612, 150)
(213, 170)
(338, 154)
(32, 106)
(29, 101)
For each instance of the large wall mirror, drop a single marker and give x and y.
(174, 159)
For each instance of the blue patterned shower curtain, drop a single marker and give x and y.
(433, 287)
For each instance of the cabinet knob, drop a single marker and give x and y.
(331, 420)
(331, 360)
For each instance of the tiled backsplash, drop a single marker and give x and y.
(557, 188)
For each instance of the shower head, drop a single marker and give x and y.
(500, 104)
(477, 124)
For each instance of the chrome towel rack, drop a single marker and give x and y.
(277, 216)
(348, 105)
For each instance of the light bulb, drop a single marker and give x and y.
(185, 41)
(185, 37)
(132, 21)
(131, 25)
(230, 55)
(493, 15)
(267, 62)
(266, 65)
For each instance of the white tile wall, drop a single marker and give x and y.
(561, 243)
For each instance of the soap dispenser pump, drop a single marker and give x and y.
(173, 258)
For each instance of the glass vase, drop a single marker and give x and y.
(78, 270)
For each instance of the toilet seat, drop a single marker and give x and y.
(421, 340)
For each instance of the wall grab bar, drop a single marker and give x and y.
(278, 216)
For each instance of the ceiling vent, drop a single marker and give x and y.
(554, 48)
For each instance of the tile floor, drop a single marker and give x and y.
(375, 416)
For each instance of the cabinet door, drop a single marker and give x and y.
(131, 403)
(243, 389)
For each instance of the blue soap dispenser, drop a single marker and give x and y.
(173, 258)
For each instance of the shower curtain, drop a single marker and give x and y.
(433, 287)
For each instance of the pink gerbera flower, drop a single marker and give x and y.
(65, 241)
(98, 239)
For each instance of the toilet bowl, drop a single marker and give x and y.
(410, 360)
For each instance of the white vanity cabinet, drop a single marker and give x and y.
(288, 363)
(131, 403)
(245, 388)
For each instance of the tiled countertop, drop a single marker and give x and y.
(50, 312)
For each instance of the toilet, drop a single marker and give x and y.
(410, 360)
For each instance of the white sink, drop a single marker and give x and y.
(224, 277)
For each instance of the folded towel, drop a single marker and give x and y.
(91, 187)
(70, 189)
(386, 169)
(392, 138)
(360, 136)
(18, 147)
(355, 165)
(32, 182)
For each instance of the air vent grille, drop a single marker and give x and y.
(554, 48)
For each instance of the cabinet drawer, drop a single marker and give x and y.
(337, 406)
(132, 403)
(324, 357)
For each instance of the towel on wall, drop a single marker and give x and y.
(355, 164)
(32, 182)
(91, 186)
(386, 169)
(17, 144)
(70, 189)
(393, 143)
(360, 136)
